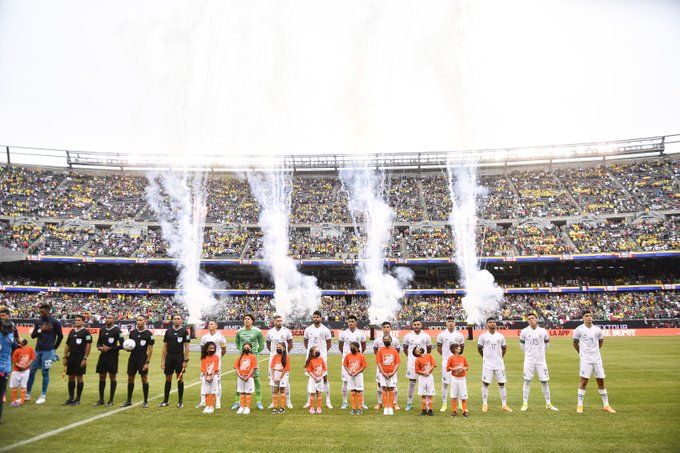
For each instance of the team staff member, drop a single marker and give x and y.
(139, 360)
(76, 351)
(109, 343)
(250, 334)
(48, 332)
(175, 358)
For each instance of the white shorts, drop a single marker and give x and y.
(283, 383)
(458, 388)
(411, 370)
(355, 382)
(18, 379)
(388, 382)
(446, 376)
(313, 386)
(208, 388)
(536, 369)
(245, 386)
(344, 376)
(488, 375)
(426, 385)
(588, 369)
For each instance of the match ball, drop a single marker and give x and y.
(129, 344)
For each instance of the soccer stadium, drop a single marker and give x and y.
(515, 298)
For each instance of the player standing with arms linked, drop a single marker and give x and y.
(175, 358)
(275, 336)
(491, 346)
(108, 357)
(320, 336)
(48, 332)
(445, 339)
(347, 337)
(412, 340)
(76, 351)
(534, 340)
(252, 335)
(139, 360)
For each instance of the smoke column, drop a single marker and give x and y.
(482, 295)
(178, 198)
(365, 189)
(296, 295)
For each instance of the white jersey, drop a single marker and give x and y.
(589, 343)
(378, 342)
(411, 340)
(218, 339)
(492, 347)
(535, 342)
(446, 339)
(276, 336)
(347, 337)
(317, 336)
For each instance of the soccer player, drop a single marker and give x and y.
(279, 334)
(377, 344)
(457, 365)
(252, 335)
(279, 368)
(534, 340)
(347, 337)
(445, 339)
(210, 375)
(109, 344)
(48, 332)
(588, 340)
(216, 337)
(22, 357)
(411, 341)
(246, 367)
(139, 360)
(354, 364)
(491, 346)
(76, 351)
(320, 336)
(315, 369)
(175, 358)
(424, 367)
(387, 362)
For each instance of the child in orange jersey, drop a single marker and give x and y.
(458, 366)
(355, 364)
(424, 367)
(387, 361)
(315, 368)
(210, 375)
(22, 357)
(279, 369)
(245, 367)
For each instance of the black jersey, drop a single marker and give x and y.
(143, 339)
(113, 338)
(176, 340)
(77, 341)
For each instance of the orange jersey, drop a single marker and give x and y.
(456, 365)
(276, 363)
(387, 359)
(245, 364)
(354, 362)
(316, 367)
(425, 364)
(22, 358)
(210, 365)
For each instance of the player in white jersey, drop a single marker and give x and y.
(588, 339)
(346, 338)
(216, 337)
(279, 334)
(445, 339)
(491, 346)
(534, 340)
(412, 340)
(320, 336)
(377, 344)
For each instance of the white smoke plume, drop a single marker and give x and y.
(296, 295)
(178, 198)
(482, 295)
(365, 188)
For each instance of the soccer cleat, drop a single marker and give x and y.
(180, 405)
(609, 409)
(344, 406)
(328, 404)
(423, 412)
(271, 406)
(378, 407)
(408, 407)
(352, 412)
(240, 410)
(579, 409)
(246, 411)
(318, 410)
(454, 413)
(465, 414)
(485, 408)
(208, 410)
(99, 403)
(430, 412)
(363, 406)
(218, 405)
(282, 410)
(259, 406)
(41, 399)
(525, 407)
(28, 397)
(200, 405)
(145, 404)
(386, 411)
(109, 404)
(396, 407)
(311, 410)
(391, 411)
(67, 402)
(15, 404)
(235, 406)
(444, 408)
(126, 404)
(289, 405)
(506, 409)
(551, 407)
(359, 412)
(75, 403)
(163, 404)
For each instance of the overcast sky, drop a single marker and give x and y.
(313, 76)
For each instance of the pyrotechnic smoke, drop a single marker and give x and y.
(178, 198)
(296, 295)
(365, 188)
(482, 295)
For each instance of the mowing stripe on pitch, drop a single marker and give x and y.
(54, 432)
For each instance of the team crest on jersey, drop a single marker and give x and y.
(111, 340)
(79, 340)
(142, 342)
(179, 339)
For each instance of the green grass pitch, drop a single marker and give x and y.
(643, 379)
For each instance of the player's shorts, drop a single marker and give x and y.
(388, 382)
(344, 375)
(44, 360)
(458, 388)
(19, 379)
(136, 365)
(355, 382)
(488, 375)
(173, 364)
(411, 370)
(107, 363)
(73, 367)
(446, 375)
(588, 369)
(210, 388)
(536, 369)
(426, 385)
(245, 386)
(313, 386)
(283, 382)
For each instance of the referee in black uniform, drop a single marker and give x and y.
(109, 343)
(175, 358)
(140, 358)
(77, 349)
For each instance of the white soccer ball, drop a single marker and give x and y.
(129, 344)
